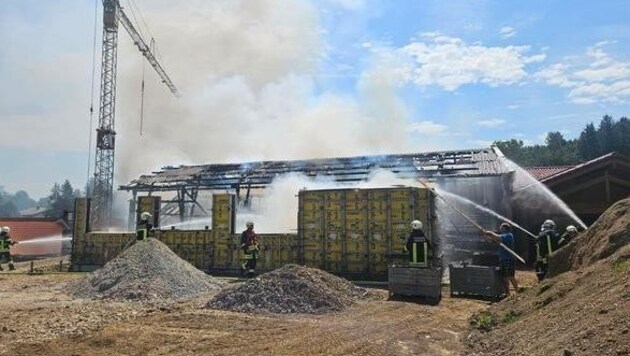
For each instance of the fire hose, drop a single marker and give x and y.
(475, 224)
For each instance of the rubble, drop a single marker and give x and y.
(146, 271)
(290, 289)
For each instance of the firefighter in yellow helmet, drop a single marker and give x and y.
(5, 248)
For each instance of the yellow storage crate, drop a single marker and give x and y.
(334, 246)
(333, 234)
(81, 213)
(379, 248)
(356, 246)
(357, 266)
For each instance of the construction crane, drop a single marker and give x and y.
(103, 184)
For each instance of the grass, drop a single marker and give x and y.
(484, 321)
(510, 317)
(621, 265)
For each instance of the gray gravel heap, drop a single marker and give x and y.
(290, 289)
(146, 271)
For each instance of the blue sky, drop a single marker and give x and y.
(435, 74)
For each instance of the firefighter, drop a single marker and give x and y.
(546, 243)
(5, 248)
(569, 234)
(250, 248)
(144, 229)
(418, 246)
(506, 260)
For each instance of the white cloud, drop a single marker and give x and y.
(427, 127)
(449, 62)
(603, 73)
(491, 122)
(513, 106)
(507, 32)
(592, 78)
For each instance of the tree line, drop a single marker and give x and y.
(60, 200)
(609, 136)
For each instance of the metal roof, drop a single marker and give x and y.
(457, 163)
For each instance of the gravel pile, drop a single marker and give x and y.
(147, 271)
(290, 289)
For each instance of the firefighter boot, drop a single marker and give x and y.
(11, 266)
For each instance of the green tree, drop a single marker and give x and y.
(23, 201)
(555, 140)
(622, 129)
(606, 134)
(7, 206)
(588, 143)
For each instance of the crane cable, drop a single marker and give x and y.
(142, 97)
(89, 162)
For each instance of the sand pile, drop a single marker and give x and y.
(148, 270)
(585, 311)
(290, 289)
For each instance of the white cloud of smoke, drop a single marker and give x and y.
(246, 70)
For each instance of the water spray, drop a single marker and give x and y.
(489, 211)
(48, 239)
(533, 182)
(475, 224)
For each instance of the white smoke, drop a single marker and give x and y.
(248, 72)
(279, 209)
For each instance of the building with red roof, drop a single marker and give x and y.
(25, 229)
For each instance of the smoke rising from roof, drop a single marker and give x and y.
(248, 72)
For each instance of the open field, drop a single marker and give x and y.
(37, 317)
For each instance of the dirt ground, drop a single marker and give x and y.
(37, 317)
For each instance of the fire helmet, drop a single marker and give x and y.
(5, 229)
(145, 216)
(249, 224)
(548, 224)
(416, 224)
(572, 228)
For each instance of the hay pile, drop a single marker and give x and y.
(147, 271)
(583, 311)
(290, 289)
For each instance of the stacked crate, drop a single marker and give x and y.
(276, 250)
(359, 231)
(194, 246)
(81, 219)
(225, 255)
(356, 231)
(311, 229)
(151, 205)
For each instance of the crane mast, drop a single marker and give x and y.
(103, 184)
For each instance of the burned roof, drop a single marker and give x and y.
(473, 162)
